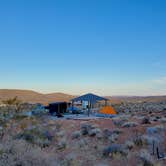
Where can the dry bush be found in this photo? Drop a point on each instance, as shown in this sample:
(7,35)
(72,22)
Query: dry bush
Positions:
(19,152)
(35,136)
(146,158)
(76,134)
(115,149)
(129,145)
(130,124)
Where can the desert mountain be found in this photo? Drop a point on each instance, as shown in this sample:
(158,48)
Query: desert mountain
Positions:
(33,97)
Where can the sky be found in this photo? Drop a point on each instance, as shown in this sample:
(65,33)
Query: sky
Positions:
(108,47)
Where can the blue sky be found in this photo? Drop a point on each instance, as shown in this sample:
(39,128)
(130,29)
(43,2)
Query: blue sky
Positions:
(110,47)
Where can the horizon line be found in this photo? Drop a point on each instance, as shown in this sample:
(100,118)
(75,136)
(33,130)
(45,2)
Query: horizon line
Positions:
(66,93)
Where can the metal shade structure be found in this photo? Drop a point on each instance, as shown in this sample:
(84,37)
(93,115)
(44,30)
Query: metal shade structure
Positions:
(90,98)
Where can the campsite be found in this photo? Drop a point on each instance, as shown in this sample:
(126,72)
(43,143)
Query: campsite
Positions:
(86,130)
(82,83)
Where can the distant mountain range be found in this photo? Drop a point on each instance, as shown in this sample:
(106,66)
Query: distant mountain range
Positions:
(35,97)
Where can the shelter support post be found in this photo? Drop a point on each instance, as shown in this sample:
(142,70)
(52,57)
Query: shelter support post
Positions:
(72,104)
(88,108)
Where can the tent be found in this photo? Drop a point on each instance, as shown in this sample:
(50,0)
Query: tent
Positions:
(108,110)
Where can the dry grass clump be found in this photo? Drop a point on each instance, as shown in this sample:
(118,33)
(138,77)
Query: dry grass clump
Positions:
(114,149)
(62,144)
(146,158)
(76,134)
(146,120)
(36,136)
(129,145)
(138,140)
(19,152)
(130,124)
(91,130)
(118,121)
(163,120)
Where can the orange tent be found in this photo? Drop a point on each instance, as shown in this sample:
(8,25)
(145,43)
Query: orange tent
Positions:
(107,110)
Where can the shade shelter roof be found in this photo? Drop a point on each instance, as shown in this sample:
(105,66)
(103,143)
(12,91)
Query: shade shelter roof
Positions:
(92,98)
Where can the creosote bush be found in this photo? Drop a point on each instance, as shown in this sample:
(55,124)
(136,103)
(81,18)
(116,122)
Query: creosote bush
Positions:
(35,136)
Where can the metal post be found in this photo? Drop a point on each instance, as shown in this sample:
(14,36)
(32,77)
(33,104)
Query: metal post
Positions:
(153,147)
(157,149)
(88,108)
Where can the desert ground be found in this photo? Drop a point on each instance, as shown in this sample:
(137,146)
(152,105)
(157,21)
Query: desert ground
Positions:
(136,136)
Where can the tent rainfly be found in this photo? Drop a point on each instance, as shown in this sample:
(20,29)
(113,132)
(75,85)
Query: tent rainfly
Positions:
(90,98)
(108,110)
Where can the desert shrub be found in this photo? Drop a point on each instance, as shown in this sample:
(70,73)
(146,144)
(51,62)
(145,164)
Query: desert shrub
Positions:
(15,102)
(146,158)
(19,117)
(69,160)
(58,126)
(130,124)
(118,121)
(117,131)
(62,144)
(99,136)
(155,129)
(148,140)
(146,120)
(107,133)
(138,141)
(163,120)
(94,132)
(85,128)
(60,134)
(113,138)
(76,134)
(129,145)
(35,136)
(3,121)
(114,149)
(1,132)
(82,142)
(21,153)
